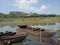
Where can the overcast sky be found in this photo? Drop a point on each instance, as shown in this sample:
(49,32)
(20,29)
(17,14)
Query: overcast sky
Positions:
(35,6)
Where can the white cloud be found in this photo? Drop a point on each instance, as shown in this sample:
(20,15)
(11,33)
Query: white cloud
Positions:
(28,5)
(43,8)
(25,4)
(32,1)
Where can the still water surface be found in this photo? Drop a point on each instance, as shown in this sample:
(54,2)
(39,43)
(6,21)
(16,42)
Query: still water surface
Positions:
(48,27)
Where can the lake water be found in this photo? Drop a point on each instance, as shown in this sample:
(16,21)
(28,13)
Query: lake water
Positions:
(7,28)
(13,29)
(29,41)
(48,27)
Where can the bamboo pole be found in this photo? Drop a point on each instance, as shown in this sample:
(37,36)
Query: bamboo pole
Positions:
(40,37)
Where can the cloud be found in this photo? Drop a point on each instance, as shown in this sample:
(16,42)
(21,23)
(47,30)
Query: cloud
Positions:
(29,5)
(25,4)
(32,1)
(43,8)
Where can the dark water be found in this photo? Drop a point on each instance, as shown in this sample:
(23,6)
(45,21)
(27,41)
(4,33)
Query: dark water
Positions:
(28,41)
(31,42)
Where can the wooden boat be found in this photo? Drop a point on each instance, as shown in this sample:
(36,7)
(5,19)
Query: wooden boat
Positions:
(7,33)
(22,26)
(45,35)
(35,31)
(12,38)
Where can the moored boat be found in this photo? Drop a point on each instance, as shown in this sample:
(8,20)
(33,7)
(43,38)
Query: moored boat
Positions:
(17,37)
(7,33)
(9,39)
(34,31)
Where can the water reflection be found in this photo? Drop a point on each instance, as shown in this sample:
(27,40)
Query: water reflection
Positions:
(48,27)
(28,41)
(31,42)
(7,28)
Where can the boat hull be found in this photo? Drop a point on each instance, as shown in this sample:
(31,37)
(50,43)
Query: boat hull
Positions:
(18,38)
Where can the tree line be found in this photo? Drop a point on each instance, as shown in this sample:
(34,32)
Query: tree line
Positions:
(17,14)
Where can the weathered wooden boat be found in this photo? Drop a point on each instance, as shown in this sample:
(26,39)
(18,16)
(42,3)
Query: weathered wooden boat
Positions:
(22,26)
(45,35)
(35,31)
(9,39)
(7,33)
